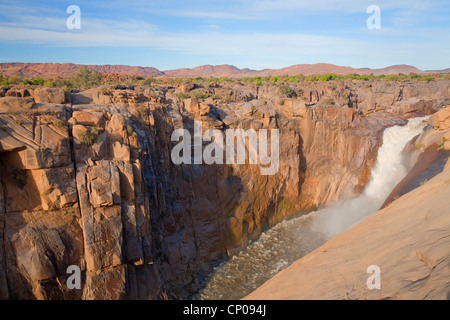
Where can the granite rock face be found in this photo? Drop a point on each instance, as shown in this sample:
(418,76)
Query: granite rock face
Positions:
(91,183)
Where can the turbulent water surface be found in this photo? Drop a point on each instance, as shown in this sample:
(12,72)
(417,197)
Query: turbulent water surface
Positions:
(290,240)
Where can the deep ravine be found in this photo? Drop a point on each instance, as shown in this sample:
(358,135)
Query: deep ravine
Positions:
(290,240)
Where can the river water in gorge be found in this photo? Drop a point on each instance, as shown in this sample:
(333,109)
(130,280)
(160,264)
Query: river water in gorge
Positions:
(290,240)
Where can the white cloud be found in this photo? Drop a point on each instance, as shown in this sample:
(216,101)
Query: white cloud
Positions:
(44,26)
(268,9)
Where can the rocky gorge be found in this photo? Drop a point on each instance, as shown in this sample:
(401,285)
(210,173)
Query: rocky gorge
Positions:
(86,178)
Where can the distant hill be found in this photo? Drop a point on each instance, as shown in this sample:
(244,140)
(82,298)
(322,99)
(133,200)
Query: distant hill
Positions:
(50,70)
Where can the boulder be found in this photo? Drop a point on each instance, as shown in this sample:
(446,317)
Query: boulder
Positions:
(121,152)
(117,123)
(441,119)
(191,105)
(186,87)
(49,95)
(18,92)
(89,118)
(101,95)
(15,105)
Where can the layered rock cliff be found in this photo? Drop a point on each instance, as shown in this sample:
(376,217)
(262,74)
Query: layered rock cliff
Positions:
(87,178)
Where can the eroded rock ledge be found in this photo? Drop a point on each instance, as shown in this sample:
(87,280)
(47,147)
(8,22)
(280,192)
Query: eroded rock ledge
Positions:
(87,179)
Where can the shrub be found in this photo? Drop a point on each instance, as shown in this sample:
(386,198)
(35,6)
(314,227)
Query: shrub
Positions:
(326,77)
(216,96)
(419,146)
(392,77)
(182,95)
(427,78)
(86,78)
(57,123)
(65,84)
(257,81)
(88,137)
(142,109)
(48,83)
(14,80)
(286,90)
(149,81)
(37,81)
(18,175)
(328,101)
(196,94)
(274,79)
(197,79)
(441,144)
(130,130)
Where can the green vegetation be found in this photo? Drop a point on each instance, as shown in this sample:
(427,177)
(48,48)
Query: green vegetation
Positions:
(37,82)
(441,144)
(182,95)
(230,170)
(142,109)
(419,146)
(197,94)
(148,81)
(88,137)
(423,182)
(286,90)
(257,81)
(216,96)
(18,175)
(18,121)
(86,78)
(57,123)
(328,101)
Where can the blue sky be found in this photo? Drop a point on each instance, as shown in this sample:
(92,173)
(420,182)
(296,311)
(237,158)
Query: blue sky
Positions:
(258,34)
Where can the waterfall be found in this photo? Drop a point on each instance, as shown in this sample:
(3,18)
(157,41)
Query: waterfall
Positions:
(390,168)
(290,240)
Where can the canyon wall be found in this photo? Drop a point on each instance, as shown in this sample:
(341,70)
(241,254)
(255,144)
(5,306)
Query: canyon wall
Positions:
(407,241)
(87,178)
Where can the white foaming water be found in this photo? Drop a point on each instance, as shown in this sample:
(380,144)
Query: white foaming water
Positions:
(389,170)
(290,240)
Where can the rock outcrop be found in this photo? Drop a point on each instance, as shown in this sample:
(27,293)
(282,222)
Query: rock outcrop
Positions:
(91,183)
(408,241)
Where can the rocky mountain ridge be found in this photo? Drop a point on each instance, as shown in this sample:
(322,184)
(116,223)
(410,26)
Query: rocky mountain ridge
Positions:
(52,70)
